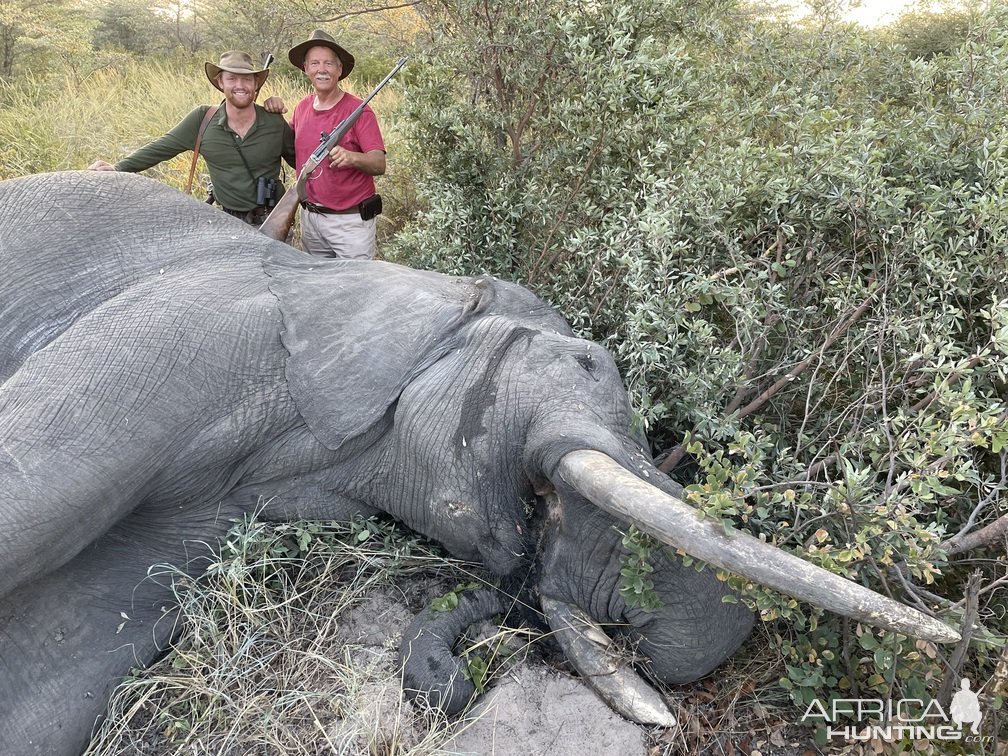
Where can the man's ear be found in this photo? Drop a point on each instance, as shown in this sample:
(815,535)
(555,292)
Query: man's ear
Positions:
(357,334)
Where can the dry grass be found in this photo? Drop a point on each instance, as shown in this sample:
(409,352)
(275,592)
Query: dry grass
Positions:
(287,646)
(53,122)
(279,654)
(50,124)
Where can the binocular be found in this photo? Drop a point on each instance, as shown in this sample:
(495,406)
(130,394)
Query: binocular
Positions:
(266,192)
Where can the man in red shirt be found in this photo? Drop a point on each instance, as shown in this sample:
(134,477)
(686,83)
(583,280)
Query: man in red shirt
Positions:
(337,218)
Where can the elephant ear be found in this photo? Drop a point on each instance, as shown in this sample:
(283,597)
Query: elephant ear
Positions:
(358,332)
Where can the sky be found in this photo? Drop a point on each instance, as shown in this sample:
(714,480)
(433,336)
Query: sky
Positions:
(878,12)
(875,12)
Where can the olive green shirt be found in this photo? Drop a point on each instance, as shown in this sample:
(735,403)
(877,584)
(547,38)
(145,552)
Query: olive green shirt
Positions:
(234,185)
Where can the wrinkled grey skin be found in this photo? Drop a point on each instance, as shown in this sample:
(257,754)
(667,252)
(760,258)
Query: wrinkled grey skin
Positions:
(163,367)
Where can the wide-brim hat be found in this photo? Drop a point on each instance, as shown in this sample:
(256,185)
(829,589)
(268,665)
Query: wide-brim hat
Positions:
(237,62)
(319,38)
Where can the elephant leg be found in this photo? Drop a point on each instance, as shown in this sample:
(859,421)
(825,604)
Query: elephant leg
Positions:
(67,638)
(69,469)
(41,528)
(130,404)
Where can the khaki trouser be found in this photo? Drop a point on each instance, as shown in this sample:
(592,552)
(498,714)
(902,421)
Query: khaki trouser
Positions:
(345,236)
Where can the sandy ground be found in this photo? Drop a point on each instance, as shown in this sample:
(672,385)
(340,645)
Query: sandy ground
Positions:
(539,710)
(531,709)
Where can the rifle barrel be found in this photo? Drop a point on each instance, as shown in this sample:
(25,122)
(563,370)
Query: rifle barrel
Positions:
(347,123)
(279,221)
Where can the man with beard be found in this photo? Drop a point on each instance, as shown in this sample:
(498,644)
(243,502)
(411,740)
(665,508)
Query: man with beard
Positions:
(338,215)
(242,143)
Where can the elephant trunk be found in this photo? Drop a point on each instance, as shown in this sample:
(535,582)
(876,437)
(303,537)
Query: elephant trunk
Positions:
(614,489)
(430,669)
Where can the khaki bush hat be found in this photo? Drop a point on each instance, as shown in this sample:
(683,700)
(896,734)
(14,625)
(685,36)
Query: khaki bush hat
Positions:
(320,39)
(238,62)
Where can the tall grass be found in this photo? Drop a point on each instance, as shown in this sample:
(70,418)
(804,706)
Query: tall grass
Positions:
(50,123)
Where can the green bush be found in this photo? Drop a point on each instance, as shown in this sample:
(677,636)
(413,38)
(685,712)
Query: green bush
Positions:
(793,243)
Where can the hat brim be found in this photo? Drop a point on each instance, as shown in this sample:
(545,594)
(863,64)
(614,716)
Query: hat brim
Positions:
(213,71)
(296,55)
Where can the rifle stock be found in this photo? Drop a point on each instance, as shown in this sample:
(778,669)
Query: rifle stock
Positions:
(281,218)
(278,223)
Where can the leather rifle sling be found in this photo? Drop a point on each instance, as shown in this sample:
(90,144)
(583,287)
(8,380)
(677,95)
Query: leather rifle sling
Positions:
(211,112)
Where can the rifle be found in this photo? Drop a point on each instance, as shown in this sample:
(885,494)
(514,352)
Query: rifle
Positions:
(279,221)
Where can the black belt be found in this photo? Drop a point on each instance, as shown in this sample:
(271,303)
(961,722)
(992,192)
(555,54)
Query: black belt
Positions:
(311,207)
(255,216)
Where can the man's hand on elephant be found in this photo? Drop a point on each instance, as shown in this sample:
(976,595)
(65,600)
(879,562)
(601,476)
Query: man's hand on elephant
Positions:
(275,104)
(101,165)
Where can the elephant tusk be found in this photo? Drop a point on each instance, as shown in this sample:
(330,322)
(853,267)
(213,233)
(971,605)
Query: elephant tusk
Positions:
(584,643)
(611,487)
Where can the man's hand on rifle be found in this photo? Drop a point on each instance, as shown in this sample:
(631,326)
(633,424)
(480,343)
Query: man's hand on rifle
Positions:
(340,157)
(371,162)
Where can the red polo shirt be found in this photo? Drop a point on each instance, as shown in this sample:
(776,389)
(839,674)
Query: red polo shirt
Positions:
(344,187)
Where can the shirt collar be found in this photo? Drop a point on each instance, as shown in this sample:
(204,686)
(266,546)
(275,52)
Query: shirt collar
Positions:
(221,117)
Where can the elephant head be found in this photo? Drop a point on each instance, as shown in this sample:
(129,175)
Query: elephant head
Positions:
(512,445)
(536,426)
(164,368)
